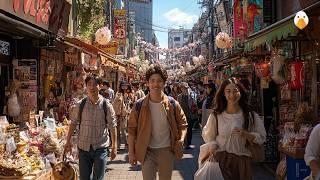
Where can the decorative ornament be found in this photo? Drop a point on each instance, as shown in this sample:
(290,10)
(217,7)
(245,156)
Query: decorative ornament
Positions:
(103,36)
(301,20)
(223,40)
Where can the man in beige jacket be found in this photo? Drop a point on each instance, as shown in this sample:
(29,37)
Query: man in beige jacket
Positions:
(157,127)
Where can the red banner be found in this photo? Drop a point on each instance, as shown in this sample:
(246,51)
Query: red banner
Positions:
(120,26)
(239,22)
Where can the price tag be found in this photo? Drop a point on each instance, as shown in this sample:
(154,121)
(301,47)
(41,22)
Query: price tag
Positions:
(11,145)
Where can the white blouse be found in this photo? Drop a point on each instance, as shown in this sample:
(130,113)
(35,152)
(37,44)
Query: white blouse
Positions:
(226,140)
(313,146)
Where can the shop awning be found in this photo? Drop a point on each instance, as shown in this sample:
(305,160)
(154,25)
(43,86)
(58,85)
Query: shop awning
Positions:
(277,31)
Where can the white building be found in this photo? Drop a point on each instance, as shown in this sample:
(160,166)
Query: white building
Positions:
(178,37)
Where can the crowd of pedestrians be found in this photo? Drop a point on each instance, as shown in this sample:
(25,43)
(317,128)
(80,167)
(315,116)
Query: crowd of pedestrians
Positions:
(155,121)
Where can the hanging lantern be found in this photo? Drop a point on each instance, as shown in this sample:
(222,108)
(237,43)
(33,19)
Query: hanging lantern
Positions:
(262,70)
(103,36)
(296,75)
(223,40)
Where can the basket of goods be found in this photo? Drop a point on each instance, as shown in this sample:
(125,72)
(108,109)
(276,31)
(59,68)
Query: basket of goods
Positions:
(303,115)
(13,168)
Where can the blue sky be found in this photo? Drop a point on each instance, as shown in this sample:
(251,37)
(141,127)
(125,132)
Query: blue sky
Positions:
(172,14)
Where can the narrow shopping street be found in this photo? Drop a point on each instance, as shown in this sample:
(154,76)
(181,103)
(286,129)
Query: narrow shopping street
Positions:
(185,169)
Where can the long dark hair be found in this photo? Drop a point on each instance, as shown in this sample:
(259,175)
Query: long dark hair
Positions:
(221,102)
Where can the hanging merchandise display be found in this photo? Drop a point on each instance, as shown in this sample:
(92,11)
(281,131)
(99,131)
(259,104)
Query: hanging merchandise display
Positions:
(296,75)
(278,68)
(262,69)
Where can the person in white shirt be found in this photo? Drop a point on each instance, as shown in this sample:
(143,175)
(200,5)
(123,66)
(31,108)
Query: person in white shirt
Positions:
(312,153)
(230,127)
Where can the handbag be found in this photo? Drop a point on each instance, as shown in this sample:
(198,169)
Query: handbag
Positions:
(257,150)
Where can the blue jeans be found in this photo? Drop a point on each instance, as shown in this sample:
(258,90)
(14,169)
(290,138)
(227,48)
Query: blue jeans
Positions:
(94,158)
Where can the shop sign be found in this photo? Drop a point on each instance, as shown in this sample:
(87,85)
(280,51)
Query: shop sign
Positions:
(50,15)
(222,17)
(120,26)
(71,58)
(4,48)
(106,61)
(110,48)
(89,62)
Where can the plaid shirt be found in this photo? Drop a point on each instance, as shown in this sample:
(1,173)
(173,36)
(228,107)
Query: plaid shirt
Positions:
(93,128)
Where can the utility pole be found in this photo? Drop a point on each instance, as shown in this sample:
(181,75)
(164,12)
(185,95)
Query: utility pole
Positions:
(212,10)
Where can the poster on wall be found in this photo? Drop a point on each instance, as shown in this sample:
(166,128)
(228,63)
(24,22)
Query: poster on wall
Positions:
(25,71)
(253,12)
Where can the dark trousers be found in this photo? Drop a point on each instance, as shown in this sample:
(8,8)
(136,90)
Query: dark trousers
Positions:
(188,139)
(94,159)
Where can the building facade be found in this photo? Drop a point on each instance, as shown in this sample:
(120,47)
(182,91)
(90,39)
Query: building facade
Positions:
(178,37)
(142,10)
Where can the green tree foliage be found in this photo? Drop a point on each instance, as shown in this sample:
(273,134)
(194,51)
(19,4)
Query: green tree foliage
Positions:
(90,17)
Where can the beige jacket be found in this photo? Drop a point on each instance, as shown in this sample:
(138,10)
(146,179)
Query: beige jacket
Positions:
(139,126)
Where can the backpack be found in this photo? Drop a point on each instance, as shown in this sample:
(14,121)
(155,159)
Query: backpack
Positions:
(139,104)
(83,102)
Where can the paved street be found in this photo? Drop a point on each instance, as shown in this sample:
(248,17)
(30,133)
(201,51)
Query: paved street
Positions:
(184,169)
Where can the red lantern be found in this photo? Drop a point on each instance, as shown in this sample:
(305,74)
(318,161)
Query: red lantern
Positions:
(296,75)
(262,70)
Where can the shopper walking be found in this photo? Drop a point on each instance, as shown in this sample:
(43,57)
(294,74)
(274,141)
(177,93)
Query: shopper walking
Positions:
(95,115)
(121,107)
(157,127)
(106,91)
(230,130)
(208,103)
(188,101)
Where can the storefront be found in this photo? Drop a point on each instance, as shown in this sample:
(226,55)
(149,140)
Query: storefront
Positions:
(285,61)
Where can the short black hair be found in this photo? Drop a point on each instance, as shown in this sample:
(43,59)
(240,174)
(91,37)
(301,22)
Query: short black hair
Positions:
(106,83)
(156,69)
(92,77)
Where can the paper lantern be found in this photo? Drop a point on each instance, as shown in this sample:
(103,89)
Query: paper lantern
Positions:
(262,70)
(195,60)
(103,36)
(223,40)
(296,75)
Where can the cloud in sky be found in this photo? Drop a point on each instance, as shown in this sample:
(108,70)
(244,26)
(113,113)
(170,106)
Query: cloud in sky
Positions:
(179,17)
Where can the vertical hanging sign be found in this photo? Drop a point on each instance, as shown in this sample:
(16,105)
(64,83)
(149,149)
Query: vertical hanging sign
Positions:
(120,26)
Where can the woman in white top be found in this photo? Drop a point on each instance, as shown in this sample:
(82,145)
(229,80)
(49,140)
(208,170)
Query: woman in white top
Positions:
(233,128)
(312,155)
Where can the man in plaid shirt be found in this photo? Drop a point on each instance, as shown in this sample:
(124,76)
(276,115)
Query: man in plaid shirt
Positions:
(93,140)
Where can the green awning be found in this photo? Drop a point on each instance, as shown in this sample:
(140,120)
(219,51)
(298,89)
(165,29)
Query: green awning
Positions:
(277,31)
